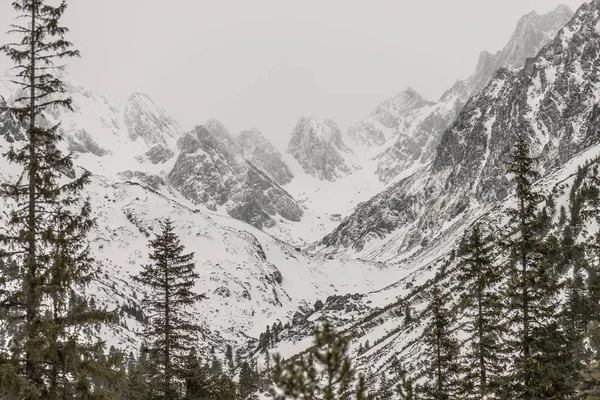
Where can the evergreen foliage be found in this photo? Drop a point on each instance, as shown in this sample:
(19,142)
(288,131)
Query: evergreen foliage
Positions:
(45,237)
(332,377)
(440,356)
(170,333)
(542,366)
(479,278)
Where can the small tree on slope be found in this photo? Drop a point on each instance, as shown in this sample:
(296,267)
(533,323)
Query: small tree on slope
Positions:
(440,358)
(170,333)
(542,366)
(479,277)
(296,379)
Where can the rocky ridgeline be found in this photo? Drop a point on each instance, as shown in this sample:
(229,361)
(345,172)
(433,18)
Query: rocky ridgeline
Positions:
(261,153)
(319,148)
(211,170)
(552,99)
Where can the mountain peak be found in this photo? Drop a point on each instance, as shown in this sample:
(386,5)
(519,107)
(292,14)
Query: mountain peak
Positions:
(151,123)
(411,92)
(318,146)
(216,127)
(260,152)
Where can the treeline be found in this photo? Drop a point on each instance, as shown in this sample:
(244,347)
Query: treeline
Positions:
(48,326)
(529,304)
(529,301)
(520,321)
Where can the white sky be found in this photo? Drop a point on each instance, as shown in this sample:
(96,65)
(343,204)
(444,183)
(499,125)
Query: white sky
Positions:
(265,63)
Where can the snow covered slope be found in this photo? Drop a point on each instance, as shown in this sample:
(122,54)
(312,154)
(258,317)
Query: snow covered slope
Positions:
(402,133)
(553,99)
(251,278)
(376,322)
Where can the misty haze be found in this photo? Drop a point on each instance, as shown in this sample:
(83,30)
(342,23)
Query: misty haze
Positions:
(317,200)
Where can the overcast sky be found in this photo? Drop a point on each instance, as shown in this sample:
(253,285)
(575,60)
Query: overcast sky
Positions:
(265,63)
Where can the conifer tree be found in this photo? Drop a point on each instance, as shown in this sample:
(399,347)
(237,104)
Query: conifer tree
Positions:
(385,388)
(135,385)
(440,357)
(171,333)
(479,277)
(406,389)
(48,220)
(294,380)
(542,364)
(249,380)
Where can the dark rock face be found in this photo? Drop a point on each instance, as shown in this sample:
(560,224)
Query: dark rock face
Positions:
(320,150)
(154,182)
(552,99)
(151,124)
(82,142)
(9,126)
(260,152)
(417,125)
(211,170)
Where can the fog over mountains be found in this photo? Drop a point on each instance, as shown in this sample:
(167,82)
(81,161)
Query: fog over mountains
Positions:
(352,221)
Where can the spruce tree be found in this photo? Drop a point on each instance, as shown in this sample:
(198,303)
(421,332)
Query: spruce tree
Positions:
(479,277)
(440,358)
(295,379)
(249,380)
(542,366)
(48,218)
(171,333)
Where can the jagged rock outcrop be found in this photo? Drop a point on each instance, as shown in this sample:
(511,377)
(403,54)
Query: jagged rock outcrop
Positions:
(319,148)
(211,170)
(552,99)
(261,153)
(145,121)
(9,126)
(417,126)
(394,116)
(532,33)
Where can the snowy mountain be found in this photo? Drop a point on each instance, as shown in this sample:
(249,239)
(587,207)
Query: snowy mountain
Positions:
(417,130)
(402,134)
(244,209)
(417,223)
(251,278)
(377,324)
(210,169)
(260,152)
(553,99)
(153,125)
(319,148)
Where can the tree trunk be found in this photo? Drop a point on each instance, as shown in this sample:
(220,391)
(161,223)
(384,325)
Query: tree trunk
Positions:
(482,369)
(525,306)
(30,285)
(167,334)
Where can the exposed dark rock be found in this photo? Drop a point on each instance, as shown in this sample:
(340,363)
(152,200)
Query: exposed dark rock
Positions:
(319,148)
(211,170)
(261,153)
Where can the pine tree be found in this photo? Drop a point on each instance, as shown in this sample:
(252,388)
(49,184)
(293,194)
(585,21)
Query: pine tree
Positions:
(135,387)
(385,388)
(542,366)
(441,354)
(479,278)
(197,378)
(249,380)
(48,220)
(170,332)
(294,380)
(229,356)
